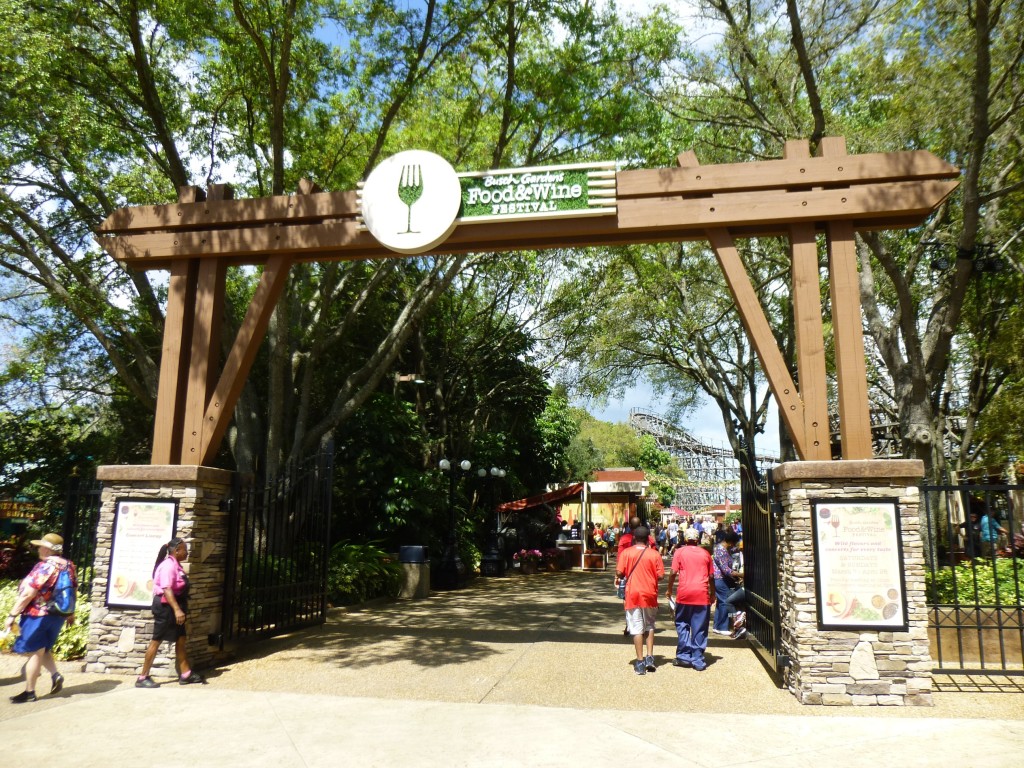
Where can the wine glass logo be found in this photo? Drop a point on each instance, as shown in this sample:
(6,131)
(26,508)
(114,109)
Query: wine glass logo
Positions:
(410,189)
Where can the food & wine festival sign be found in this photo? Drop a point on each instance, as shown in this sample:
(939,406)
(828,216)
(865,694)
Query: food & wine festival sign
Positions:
(413,201)
(858,558)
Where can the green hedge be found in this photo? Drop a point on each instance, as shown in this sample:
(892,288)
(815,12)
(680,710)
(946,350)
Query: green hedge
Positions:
(359,572)
(976,583)
(71,642)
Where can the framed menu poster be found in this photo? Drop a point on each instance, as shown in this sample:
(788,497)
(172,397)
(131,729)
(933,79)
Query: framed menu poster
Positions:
(858,560)
(141,527)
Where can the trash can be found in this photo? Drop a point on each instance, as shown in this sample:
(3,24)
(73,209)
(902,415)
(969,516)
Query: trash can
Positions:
(415,572)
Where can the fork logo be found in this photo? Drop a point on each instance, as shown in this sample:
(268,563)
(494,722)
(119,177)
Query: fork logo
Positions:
(410,202)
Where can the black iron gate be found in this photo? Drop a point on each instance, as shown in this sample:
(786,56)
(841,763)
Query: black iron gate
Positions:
(760,563)
(81,515)
(975,577)
(278,551)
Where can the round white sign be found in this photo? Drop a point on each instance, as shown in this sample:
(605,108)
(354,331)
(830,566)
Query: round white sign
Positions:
(411,201)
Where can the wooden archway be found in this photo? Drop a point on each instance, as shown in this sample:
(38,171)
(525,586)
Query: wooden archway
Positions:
(798,197)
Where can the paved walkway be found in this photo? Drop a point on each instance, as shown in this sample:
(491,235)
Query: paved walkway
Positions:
(509,672)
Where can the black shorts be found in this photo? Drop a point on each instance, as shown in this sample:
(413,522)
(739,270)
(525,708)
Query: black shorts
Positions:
(166,626)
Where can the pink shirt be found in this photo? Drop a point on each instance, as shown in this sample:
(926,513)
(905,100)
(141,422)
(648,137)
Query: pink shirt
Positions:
(168,574)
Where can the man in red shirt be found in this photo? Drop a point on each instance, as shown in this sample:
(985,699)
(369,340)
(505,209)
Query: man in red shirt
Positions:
(642,567)
(626,539)
(694,597)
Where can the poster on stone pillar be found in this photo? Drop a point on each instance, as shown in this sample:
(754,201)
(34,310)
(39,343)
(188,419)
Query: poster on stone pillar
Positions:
(141,527)
(858,559)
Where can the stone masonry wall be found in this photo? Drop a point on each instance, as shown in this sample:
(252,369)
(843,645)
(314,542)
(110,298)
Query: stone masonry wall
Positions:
(851,668)
(117,636)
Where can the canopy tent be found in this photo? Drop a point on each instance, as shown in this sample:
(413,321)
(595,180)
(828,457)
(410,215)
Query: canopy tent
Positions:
(540,500)
(610,486)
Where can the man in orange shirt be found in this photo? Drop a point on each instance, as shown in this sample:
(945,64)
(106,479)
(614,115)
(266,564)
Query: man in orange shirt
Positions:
(642,567)
(693,565)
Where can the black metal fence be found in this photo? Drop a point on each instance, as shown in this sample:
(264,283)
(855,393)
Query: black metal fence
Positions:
(278,551)
(974,550)
(81,516)
(760,564)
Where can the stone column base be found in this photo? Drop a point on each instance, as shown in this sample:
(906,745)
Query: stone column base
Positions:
(851,668)
(118,636)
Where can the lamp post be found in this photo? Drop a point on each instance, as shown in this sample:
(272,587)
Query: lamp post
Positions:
(451,571)
(493,561)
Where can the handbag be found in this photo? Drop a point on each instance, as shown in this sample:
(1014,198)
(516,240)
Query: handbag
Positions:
(620,591)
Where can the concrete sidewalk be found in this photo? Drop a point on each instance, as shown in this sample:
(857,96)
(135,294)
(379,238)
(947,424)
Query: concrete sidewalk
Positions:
(517,671)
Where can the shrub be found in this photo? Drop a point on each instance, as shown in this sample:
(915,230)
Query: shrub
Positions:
(359,572)
(16,561)
(71,641)
(981,576)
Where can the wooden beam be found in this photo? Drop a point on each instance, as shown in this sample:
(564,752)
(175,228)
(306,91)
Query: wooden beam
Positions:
(688,159)
(775,206)
(639,220)
(281,208)
(791,409)
(851,170)
(243,352)
(174,363)
(851,366)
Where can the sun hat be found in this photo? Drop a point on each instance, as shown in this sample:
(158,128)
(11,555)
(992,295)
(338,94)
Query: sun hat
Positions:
(51,541)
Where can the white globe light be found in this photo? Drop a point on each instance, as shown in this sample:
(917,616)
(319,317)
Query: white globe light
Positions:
(465,465)
(444,464)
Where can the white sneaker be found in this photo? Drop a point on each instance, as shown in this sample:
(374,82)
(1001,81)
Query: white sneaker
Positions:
(722,632)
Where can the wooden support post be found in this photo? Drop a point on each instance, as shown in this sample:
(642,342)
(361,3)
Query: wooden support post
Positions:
(810,341)
(791,409)
(205,355)
(851,366)
(174,362)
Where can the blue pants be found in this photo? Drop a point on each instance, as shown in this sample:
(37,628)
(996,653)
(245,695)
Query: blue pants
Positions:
(722,591)
(692,630)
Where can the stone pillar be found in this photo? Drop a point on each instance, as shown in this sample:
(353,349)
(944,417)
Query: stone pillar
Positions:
(118,636)
(847,668)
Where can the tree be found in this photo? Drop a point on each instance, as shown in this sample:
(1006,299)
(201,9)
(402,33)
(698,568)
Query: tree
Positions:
(664,313)
(114,104)
(889,77)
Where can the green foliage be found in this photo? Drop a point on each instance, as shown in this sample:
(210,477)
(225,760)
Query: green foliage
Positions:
(71,641)
(557,427)
(978,583)
(359,572)
(652,458)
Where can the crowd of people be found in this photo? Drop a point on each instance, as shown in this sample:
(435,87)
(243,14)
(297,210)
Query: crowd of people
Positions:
(705,569)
